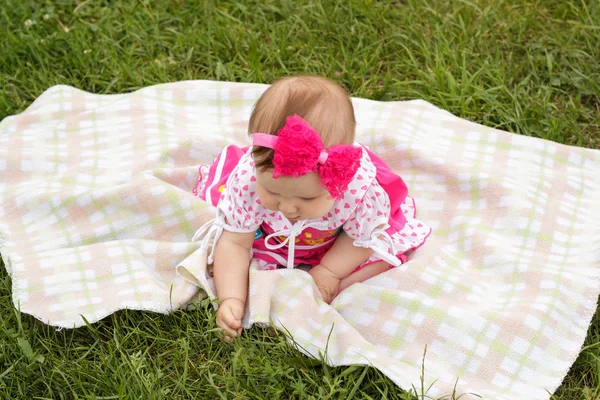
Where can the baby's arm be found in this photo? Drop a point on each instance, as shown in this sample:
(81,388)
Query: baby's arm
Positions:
(232,263)
(337,264)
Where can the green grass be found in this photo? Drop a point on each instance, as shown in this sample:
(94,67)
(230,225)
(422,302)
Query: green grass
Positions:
(529,67)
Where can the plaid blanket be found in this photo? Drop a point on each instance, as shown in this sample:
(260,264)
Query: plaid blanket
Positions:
(97,215)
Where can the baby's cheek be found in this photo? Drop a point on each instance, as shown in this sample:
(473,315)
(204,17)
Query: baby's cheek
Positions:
(269,204)
(322,208)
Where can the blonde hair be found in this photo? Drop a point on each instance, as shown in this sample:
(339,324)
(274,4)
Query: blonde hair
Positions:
(321,102)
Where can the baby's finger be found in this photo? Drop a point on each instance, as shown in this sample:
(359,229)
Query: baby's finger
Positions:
(238,313)
(228,329)
(325,295)
(226,339)
(232,320)
(228,332)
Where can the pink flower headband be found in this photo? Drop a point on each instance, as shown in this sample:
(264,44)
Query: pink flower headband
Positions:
(299,150)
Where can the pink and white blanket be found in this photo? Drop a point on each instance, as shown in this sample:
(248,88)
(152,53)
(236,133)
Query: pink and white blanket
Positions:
(97,215)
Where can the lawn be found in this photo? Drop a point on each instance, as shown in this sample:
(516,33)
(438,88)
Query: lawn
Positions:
(529,67)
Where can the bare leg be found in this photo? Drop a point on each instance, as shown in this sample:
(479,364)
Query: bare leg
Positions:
(363,274)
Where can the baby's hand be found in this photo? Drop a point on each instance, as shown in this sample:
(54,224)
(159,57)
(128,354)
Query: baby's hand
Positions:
(229,318)
(326,281)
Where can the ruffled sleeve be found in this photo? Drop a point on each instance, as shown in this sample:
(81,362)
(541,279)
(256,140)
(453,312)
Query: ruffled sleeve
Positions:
(368,223)
(238,209)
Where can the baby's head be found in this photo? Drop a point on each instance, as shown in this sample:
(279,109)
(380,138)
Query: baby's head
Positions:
(327,107)
(321,102)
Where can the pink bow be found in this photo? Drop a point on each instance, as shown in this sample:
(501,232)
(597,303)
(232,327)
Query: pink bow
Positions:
(299,150)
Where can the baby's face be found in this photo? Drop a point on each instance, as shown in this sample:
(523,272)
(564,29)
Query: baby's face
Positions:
(297,198)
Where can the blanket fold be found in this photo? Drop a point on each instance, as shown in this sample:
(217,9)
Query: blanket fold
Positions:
(97,215)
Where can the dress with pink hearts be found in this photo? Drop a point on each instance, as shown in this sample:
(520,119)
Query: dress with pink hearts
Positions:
(375,211)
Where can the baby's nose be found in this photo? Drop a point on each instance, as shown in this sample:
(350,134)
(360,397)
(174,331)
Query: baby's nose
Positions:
(287,208)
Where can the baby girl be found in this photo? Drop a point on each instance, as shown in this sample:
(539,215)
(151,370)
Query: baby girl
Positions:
(304,194)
